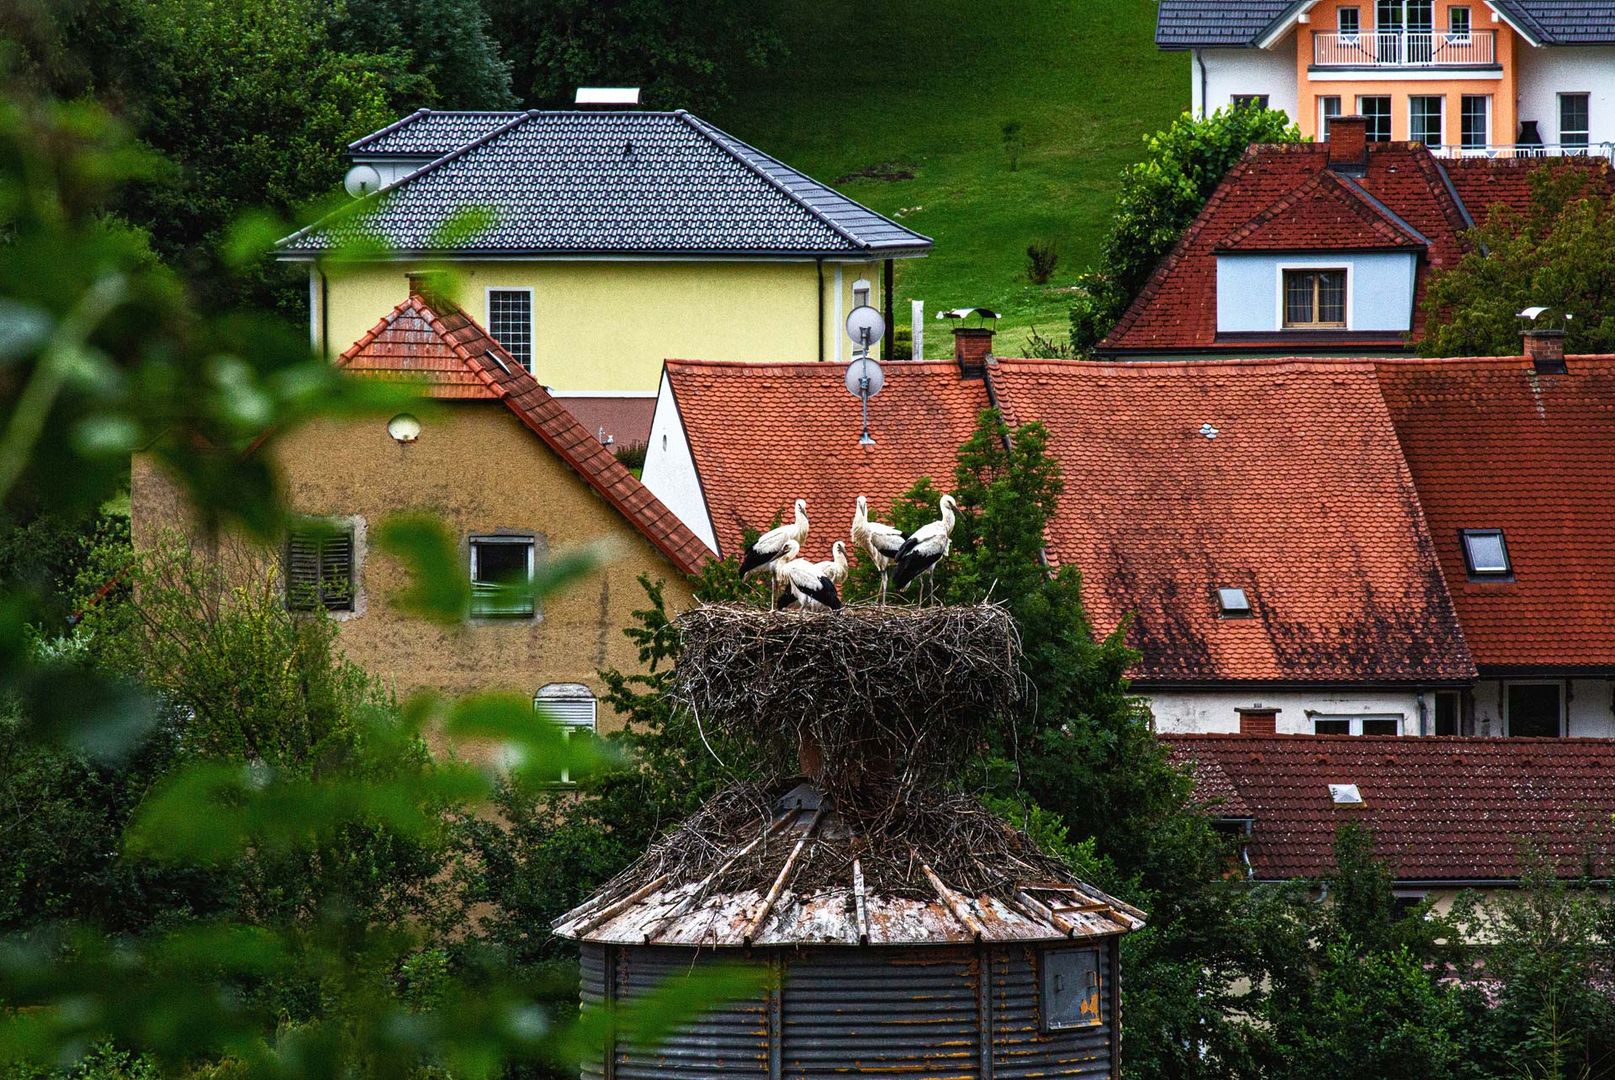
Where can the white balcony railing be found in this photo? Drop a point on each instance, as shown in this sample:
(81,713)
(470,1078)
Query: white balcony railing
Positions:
(1404,48)
(1515,150)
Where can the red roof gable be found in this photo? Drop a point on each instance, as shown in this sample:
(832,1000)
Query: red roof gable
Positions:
(1440,809)
(1492,444)
(437,342)
(1283,478)
(1286,197)
(764,435)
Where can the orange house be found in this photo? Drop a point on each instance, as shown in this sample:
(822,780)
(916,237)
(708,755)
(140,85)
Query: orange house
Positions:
(1464,77)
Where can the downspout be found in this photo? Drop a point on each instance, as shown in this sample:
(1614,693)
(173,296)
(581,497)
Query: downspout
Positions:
(1200,59)
(325,314)
(820,264)
(1423,730)
(891,326)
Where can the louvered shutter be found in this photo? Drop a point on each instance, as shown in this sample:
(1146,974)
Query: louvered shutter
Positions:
(302,571)
(336,572)
(319,570)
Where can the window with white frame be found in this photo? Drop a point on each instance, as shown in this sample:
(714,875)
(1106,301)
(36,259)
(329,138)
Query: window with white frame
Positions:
(1349,21)
(573,708)
(1534,709)
(1574,125)
(1458,25)
(1424,118)
(1475,121)
(1353,724)
(1314,299)
(1328,109)
(1375,109)
(502,577)
(510,321)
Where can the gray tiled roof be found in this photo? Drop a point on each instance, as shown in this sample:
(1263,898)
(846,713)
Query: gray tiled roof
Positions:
(1187,24)
(612,183)
(430,133)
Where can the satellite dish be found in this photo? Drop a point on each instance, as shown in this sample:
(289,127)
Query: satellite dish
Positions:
(864,378)
(865,326)
(404,428)
(361,180)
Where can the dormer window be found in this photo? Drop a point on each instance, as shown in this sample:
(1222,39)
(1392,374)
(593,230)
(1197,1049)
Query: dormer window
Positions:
(1486,555)
(1315,299)
(1232,603)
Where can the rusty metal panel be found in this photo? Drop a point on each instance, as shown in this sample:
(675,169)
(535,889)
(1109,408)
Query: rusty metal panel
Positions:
(592,992)
(876,1012)
(730,1040)
(1021,1048)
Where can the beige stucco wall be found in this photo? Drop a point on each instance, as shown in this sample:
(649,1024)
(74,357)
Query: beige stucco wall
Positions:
(608,325)
(478,470)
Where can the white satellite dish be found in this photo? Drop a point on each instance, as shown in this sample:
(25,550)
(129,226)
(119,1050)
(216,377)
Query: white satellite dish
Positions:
(404,428)
(361,181)
(865,326)
(864,380)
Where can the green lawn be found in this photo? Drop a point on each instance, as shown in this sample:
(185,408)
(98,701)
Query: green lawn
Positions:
(925,88)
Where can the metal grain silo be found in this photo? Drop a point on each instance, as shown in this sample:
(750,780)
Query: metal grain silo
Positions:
(907,931)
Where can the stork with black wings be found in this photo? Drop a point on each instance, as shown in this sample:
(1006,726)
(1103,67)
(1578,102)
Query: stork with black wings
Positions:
(925,547)
(768,550)
(804,583)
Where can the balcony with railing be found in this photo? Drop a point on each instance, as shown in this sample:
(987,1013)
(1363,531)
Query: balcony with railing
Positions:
(1404,49)
(1527,150)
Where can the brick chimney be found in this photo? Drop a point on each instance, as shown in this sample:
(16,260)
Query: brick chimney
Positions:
(972,348)
(1348,141)
(1546,351)
(425,284)
(1258,721)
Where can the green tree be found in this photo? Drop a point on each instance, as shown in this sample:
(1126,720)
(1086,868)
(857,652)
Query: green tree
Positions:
(448,43)
(1555,253)
(1159,198)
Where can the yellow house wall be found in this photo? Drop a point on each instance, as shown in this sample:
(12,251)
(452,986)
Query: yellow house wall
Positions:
(478,471)
(1503,92)
(606,326)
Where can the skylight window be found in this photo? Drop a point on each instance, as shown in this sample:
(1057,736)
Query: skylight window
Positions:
(1232,603)
(1345,795)
(1486,553)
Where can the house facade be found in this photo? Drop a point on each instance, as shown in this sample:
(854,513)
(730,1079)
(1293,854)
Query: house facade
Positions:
(595,244)
(1285,540)
(1464,77)
(512,476)
(1323,248)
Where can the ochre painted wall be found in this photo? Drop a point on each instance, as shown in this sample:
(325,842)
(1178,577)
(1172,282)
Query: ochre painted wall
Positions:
(1324,18)
(478,470)
(607,326)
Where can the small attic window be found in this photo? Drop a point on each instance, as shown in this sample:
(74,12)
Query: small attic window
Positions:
(1345,795)
(1232,603)
(1486,554)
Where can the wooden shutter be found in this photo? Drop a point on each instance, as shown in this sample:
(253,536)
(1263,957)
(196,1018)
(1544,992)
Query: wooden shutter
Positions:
(336,571)
(319,570)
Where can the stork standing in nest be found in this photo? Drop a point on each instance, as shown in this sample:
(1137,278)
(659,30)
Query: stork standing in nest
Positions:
(768,550)
(835,567)
(928,546)
(798,581)
(881,540)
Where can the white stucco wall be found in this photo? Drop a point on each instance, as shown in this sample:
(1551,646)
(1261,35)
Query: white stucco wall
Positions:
(1379,289)
(670,468)
(1545,73)
(1183,712)
(1245,71)
(1589,708)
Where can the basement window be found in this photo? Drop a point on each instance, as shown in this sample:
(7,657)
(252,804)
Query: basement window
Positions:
(1072,986)
(319,567)
(502,577)
(1232,603)
(1486,555)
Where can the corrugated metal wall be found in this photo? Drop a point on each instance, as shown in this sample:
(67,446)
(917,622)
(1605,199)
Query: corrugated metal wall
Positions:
(921,1011)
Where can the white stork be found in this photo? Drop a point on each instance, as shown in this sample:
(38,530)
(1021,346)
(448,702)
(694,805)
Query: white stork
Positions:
(799,581)
(769,549)
(881,540)
(835,567)
(928,545)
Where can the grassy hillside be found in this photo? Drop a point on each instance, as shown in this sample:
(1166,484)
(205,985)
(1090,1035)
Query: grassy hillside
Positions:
(901,104)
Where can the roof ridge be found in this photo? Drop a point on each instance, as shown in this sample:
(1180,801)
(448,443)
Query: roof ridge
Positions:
(1378,206)
(710,133)
(401,122)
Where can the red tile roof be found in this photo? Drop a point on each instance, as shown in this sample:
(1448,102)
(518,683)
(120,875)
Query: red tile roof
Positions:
(1491,444)
(764,435)
(1440,809)
(1300,497)
(439,343)
(1287,198)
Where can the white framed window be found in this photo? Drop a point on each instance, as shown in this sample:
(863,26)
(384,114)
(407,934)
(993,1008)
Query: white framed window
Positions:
(1574,119)
(1375,109)
(574,709)
(1458,25)
(1356,724)
(1424,118)
(1349,20)
(502,577)
(1534,708)
(1475,121)
(510,321)
(1312,297)
(1328,109)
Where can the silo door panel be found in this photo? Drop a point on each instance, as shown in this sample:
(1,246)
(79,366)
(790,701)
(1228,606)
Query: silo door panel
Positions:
(1071,989)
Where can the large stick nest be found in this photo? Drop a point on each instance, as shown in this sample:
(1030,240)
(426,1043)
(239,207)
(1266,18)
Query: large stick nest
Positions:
(879,698)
